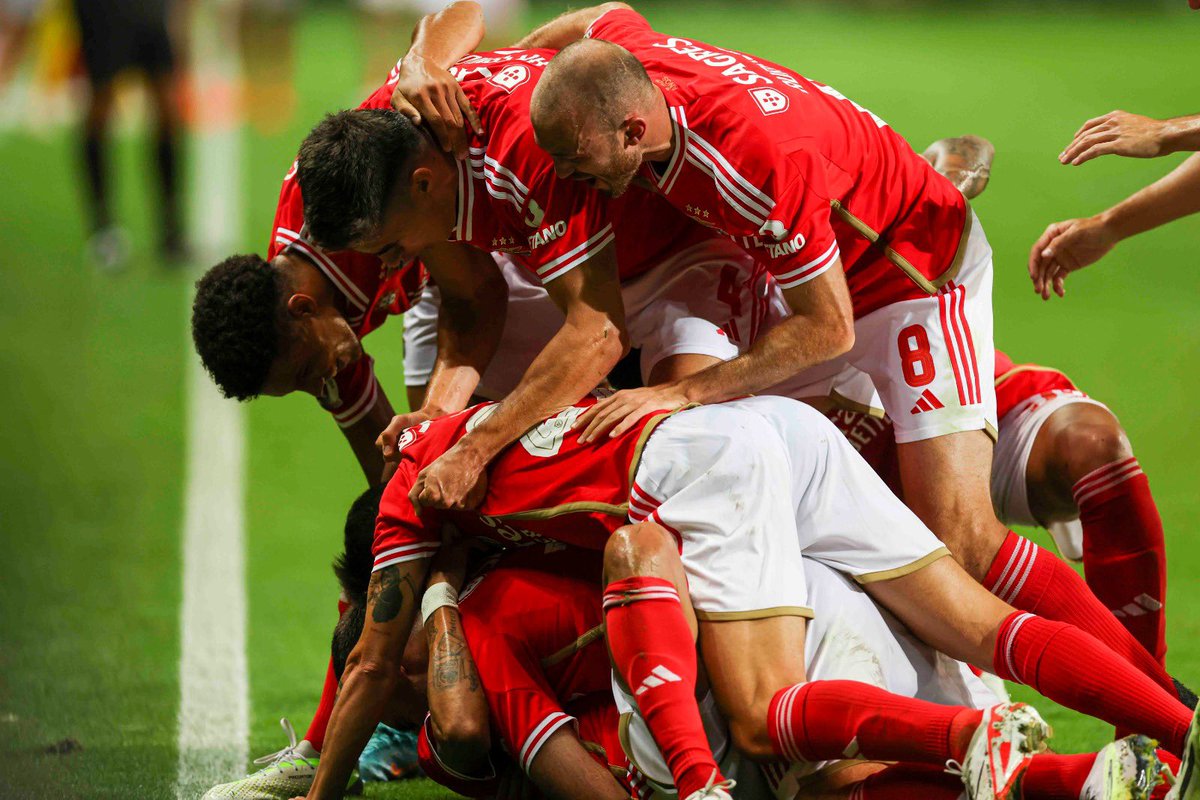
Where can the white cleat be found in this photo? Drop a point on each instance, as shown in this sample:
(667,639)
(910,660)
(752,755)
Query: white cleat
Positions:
(287,774)
(713,791)
(1000,750)
(1127,769)
(1187,784)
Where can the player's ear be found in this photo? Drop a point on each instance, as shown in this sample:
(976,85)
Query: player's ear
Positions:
(421,182)
(301,305)
(633,130)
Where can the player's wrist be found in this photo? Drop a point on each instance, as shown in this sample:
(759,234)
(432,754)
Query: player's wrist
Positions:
(1180,134)
(1113,225)
(438,595)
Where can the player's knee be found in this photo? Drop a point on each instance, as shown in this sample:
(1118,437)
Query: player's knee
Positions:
(640,549)
(750,736)
(1088,444)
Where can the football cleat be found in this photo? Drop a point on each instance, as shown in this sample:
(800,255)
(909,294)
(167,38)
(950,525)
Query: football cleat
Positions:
(999,752)
(390,755)
(1187,783)
(286,774)
(1127,769)
(714,791)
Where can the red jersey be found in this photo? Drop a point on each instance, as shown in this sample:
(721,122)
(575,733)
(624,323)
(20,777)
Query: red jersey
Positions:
(544,487)
(370,292)
(1019,383)
(795,172)
(535,628)
(510,199)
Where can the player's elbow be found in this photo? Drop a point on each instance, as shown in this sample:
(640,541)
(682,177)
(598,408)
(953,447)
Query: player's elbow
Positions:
(840,328)
(610,342)
(461,736)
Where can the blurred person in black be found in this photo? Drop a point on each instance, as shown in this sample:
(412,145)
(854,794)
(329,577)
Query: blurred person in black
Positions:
(116,35)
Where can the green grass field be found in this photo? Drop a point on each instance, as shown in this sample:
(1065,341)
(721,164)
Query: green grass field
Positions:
(93,434)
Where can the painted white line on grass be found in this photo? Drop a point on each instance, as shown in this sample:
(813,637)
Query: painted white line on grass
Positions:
(214,703)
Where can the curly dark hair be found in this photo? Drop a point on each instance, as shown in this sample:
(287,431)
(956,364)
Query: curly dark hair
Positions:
(353,567)
(235,323)
(347,169)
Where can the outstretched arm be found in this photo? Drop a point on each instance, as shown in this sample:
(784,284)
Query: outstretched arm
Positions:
(1123,134)
(566,28)
(1073,244)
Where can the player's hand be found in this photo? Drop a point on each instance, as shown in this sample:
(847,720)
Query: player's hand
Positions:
(1117,133)
(456,481)
(621,411)
(388,442)
(427,93)
(1064,248)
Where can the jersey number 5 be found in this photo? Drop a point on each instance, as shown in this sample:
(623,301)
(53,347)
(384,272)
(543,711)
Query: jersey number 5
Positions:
(915,358)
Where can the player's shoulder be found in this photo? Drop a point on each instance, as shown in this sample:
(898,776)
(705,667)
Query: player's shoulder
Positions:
(617,18)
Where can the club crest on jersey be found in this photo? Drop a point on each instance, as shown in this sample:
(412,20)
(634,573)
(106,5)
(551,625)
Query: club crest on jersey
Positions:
(769,101)
(510,77)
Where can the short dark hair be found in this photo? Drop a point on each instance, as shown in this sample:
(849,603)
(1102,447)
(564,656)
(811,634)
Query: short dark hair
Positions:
(348,168)
(353,566)
(345,635)
(235,323)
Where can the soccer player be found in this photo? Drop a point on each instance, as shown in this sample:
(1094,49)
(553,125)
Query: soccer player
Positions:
(1062,462)
(744,488)
(879,257)
(1075,243)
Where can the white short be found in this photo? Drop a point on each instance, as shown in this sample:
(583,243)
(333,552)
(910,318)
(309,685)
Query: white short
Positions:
(708,300)
(531,322)
(932,359)
(1010,462)
(750,485)
(850,638)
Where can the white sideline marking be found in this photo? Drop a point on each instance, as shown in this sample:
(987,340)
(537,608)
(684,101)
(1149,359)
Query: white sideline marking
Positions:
(214,704)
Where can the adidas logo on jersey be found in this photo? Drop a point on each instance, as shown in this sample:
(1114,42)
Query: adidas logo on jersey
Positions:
(927,402)
(657,677)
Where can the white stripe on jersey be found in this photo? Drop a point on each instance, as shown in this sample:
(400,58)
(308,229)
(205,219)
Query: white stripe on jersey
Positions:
(576,255)
(810,270)
(507,175)
(360,408)
(755,199)
(352,292)
(723,187)
(539,736)
(408,552)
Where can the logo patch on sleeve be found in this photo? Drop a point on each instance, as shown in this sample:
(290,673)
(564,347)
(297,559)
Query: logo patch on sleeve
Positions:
(770,101)
(510,77)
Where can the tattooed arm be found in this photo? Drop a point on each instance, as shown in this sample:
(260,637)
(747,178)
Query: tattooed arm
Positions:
(965,160)
(457,705)
(372,674)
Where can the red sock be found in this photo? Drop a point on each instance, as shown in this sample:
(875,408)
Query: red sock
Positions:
(906,781)
(831,720)
(1032,579)
(1124,554)
(1074,669)
(1056,777)
(315,735)
(654,653)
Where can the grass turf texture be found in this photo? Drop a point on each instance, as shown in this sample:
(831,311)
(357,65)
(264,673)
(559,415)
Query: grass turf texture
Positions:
(93,446)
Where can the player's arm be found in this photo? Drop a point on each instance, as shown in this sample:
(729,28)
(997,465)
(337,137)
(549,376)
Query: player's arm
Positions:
(425,91)
(470,323)
(583,351)
(563,770)
(457,704)
(363,434)
(1073,244)
(966,161)
(1132,135)
(821,328)
(566,28)
(373,673)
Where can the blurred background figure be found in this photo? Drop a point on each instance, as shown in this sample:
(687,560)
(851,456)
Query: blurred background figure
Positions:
(116,35)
